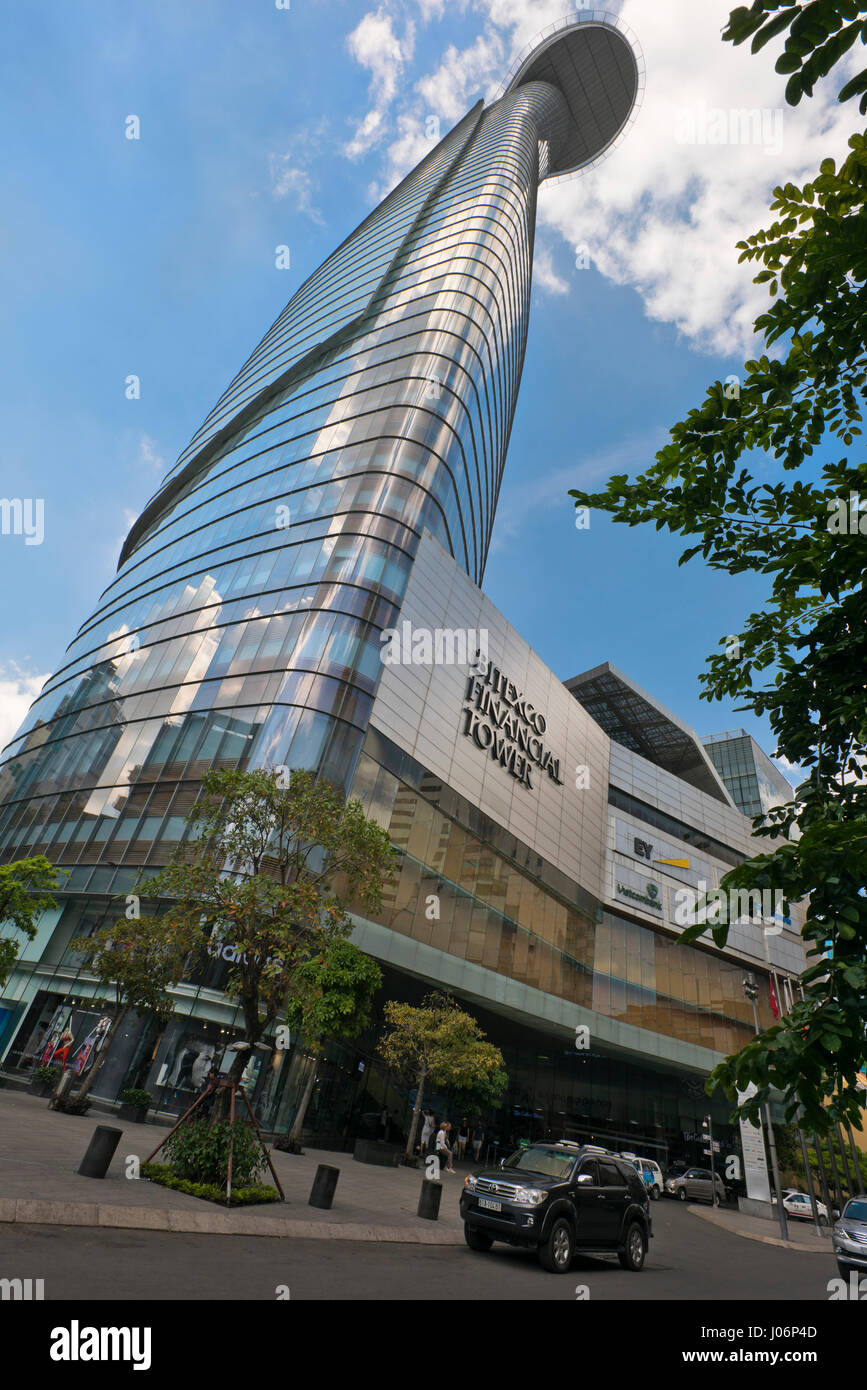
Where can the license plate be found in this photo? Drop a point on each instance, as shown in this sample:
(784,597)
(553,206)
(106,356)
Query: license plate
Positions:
(489,1204)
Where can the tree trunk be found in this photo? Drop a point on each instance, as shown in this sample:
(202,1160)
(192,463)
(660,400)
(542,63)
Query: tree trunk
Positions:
(298,1122)
(103,1053)
(410,1143)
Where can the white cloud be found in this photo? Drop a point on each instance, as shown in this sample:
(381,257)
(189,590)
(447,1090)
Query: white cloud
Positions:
(295,183)
(18,690)
(375,45)
(545,276)
(792,772)
(147,453)
(462,77)
(662,214)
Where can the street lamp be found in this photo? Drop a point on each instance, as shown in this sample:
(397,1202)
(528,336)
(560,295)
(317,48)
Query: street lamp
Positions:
(707,1124)
(751,990)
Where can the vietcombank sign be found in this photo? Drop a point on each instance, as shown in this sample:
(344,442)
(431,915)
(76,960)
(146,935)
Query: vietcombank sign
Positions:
(648,897)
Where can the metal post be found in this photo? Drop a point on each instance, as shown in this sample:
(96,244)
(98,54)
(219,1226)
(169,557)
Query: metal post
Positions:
(708,1123)
(823,1176)
(809,1179)
(845,1160)
(751,992)
(856,1158)
(832,1159)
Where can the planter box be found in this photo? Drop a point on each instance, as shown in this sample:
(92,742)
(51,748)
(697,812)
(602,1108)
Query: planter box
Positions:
(375,1151)
(135,1114)
(39,1088)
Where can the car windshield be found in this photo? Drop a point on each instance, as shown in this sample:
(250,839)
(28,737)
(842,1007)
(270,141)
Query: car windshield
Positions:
(856,1211)
(544,1161)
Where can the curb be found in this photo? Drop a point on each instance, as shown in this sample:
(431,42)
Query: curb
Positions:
(763,1240)
(27,1212)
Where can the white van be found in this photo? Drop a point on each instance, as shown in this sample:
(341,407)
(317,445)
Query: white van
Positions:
(650,1173)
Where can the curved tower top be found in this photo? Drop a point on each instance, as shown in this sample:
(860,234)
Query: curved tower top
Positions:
(595,63)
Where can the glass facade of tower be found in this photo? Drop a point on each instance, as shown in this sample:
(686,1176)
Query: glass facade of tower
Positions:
(243,627)
(753,781)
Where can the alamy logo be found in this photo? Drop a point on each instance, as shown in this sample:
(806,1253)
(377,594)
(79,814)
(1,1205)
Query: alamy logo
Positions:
(23,517)
(712,125)
(424,646)
(77,1343)
(716,908)
(22,1290)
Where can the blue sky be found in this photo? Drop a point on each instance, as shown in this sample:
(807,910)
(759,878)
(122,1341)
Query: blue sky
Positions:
(262,126)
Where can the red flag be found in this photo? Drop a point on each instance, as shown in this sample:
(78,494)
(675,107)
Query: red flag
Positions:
(775,1008)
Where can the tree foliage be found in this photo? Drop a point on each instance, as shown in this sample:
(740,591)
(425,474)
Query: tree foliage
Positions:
(820,33)
(332,994)
(25,886)
(438,1043)
(331,997)
(267,879)
(801,661)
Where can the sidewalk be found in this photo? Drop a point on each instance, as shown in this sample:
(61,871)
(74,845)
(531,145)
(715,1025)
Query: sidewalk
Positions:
(802,1235)
(40,1151)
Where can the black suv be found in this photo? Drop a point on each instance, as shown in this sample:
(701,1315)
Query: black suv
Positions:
(560,1199)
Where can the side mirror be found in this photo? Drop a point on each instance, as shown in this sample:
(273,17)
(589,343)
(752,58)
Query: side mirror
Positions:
(502,1163)
(584,1178)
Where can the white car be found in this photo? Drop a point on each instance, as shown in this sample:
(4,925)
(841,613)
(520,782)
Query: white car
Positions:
(650,1173)
(797,1204)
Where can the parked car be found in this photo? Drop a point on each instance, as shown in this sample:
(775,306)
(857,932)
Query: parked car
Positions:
(696,1185)
(560,1199)
(849,1237)
(797,1204)
(674,1170)
(650,1173)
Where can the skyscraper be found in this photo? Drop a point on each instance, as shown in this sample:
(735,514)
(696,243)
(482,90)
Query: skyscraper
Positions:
(243,626)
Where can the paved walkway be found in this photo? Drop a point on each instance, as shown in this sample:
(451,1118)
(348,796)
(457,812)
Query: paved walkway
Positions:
(802,1235)
(40,1151)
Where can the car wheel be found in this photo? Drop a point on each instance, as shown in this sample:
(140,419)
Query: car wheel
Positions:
(681,1194)
(633,1253)
(655,1193)
(717,1200)
(555,1253)
(477,1240)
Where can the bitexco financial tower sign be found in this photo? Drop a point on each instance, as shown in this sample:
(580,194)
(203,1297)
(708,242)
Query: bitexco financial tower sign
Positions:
(502,722)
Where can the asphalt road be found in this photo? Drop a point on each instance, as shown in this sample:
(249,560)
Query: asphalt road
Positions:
(689,1260)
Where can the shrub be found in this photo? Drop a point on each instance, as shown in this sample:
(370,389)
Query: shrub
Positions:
(47,1076)
(241,1196)
(199,1152)
(134,1096)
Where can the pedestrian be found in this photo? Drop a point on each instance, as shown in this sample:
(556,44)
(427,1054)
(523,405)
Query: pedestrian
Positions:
(444,1153)
(463,1136)
(427,1130)
(478,1139)
(383,1124)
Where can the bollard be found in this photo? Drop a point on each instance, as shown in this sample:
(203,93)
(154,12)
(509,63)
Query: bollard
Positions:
(429,1199)
(322,1191)
(100,1151)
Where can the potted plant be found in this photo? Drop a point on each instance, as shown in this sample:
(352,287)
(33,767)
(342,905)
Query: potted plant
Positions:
(134,1105)
(44,1080)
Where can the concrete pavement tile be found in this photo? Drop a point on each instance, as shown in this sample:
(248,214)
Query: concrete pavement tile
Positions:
(57,1213)
(134,1218)
(199,1222)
